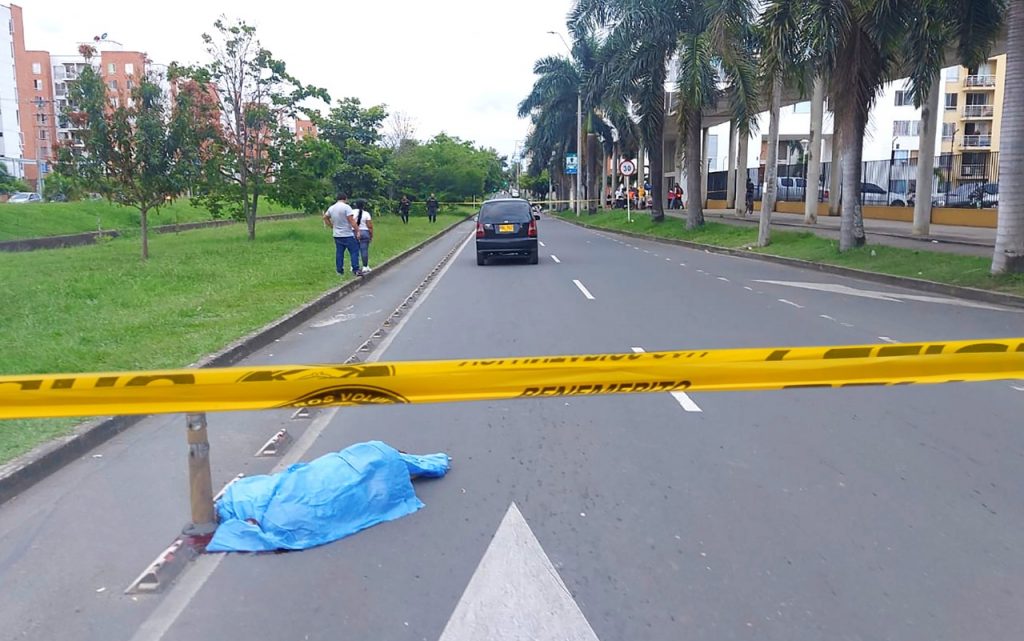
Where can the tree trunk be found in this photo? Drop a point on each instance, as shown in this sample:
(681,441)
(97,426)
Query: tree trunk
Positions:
(705,141)
(616,153)
(835,178)
(743,149)
(694,212)
(604,176)
(1009,253)
(813,159)
(730,165)
(593,199)
(250,216)
(926,158)
(764,229)
(145,232)
(657,168)
(851,226)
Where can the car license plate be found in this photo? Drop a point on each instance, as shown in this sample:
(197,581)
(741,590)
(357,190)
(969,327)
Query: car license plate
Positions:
(506,229)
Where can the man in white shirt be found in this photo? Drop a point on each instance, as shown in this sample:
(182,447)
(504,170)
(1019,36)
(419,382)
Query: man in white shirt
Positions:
(365,224)
(346,234)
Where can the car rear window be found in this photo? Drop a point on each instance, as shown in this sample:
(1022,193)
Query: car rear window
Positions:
(511,212)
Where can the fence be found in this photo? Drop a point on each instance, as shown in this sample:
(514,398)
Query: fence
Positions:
(960,180)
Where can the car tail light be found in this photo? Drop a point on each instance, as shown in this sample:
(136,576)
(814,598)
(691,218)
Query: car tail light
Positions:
(531,231)
(479,230)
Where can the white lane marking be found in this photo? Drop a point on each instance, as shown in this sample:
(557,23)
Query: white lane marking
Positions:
(342,318)
(193,579)
(826,317)
(723,279)
(892,297)
(1019,389)
(749,289)
(681,397)
(669,259)
(682,264)
(789,302)
(586,292)
(541,243)
(555,258)
(847,325)
(647,251)
(887,339)
(516,593)
(701,271)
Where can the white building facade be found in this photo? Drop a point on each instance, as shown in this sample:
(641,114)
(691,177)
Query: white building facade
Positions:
(10,128)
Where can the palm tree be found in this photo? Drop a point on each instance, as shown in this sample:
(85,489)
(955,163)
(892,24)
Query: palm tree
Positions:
(1009,252)
(641,36)
(869,42)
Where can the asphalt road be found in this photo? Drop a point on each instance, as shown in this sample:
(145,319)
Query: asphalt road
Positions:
(873,513)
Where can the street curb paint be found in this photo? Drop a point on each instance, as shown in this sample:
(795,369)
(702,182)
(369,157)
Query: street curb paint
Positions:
(970,293)
(28,469)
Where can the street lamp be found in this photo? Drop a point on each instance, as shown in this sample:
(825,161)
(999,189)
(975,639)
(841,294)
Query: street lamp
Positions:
(579,129)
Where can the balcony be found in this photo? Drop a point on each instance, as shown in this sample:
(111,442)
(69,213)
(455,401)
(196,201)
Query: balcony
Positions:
(980,81)
(979,111)
(973,171)
(978,140)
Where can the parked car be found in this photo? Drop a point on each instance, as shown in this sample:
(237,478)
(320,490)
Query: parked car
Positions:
(970,195)
(872,194)
(506,227)
(24,197)
(788,188)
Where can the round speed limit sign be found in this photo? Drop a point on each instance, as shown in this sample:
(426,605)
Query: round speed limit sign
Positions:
(627,167)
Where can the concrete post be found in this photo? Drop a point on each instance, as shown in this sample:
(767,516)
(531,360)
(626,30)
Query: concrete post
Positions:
(730,187)
(814,154)
(200,484)
(926,159)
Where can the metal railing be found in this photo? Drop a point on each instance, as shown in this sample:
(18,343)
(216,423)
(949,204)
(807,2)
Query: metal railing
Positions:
(980,81)
(979,111)
(978,140)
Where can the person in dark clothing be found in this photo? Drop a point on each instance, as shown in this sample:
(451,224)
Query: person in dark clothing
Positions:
(750,198)
(432,209)
(679,197)
(403,209)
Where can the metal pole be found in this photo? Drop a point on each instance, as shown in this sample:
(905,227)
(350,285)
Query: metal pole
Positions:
(579,148)
(204,521)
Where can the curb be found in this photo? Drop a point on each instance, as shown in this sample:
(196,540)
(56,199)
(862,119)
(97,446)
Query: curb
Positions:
(90,237)
(956,291)
(19,474)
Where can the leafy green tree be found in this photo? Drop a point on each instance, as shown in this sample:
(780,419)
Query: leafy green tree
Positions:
(136,149)
(256,96)
(9,184)
(448,167)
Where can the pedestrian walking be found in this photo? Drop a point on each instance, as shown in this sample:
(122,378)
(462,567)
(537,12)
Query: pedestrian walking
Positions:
(364,226)
(679,197)
(403,209)
(340,220)
(750,199)
(432,209)
(671,197)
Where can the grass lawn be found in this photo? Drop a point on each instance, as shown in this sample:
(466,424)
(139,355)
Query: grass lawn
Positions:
(968,271)
(99,307)
(32,220)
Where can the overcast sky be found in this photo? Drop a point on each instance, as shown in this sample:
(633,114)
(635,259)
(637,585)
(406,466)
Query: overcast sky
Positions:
(459,66)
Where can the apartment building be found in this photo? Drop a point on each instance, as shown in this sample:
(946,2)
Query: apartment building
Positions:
(304,128)
(972,115)
(10,127)
(39,94)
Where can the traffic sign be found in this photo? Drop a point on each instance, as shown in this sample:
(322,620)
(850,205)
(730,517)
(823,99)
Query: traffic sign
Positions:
(572,163)
(627,167)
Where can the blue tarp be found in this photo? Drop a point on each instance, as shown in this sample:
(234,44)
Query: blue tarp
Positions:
(310,504)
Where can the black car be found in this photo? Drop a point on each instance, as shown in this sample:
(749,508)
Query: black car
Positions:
(506,227)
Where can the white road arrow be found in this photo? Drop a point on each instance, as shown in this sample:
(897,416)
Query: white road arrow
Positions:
(516,594)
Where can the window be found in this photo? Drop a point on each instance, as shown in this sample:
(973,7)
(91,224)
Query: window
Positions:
(948,129)
(37,68)
(129,84)
(509,212)
(901,154)
(37,84)
(113,85)
(952,74)
(129,68)
(951,99)
(41,119)
(42,134)
(802,108)
(904,98)
(111,68)
(906,127)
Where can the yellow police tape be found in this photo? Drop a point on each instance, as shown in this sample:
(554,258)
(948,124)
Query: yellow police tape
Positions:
(269,387)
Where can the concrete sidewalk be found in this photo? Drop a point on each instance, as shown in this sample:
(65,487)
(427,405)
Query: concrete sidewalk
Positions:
(972,241)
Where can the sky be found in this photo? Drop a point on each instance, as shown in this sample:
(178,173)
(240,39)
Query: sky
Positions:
(458,66)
